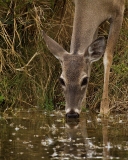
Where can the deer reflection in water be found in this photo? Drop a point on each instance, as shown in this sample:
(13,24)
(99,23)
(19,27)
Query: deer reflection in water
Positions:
(80,144)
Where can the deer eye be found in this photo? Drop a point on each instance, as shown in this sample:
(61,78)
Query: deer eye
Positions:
(62,82)
(84,81)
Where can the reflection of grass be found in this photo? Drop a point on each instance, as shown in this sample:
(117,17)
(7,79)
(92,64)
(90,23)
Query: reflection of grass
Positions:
(54,138)
(29,72)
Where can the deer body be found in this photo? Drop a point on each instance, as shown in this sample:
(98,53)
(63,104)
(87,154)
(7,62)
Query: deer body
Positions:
(87,48)
(89,14)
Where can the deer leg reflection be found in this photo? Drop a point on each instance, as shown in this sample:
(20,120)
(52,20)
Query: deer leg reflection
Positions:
(106,146)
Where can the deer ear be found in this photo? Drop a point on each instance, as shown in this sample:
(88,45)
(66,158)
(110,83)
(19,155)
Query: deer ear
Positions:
(97,49)
(54,47)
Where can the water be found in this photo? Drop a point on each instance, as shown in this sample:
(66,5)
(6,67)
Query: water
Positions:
(37,135)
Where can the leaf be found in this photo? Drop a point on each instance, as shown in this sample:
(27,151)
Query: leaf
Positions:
(1,99)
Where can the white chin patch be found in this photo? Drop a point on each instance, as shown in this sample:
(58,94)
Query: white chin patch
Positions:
(75,110)
(67,110)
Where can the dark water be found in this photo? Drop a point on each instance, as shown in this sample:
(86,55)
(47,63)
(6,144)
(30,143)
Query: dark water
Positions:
(37,135)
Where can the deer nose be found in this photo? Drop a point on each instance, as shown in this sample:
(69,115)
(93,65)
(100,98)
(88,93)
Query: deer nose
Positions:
(72,114)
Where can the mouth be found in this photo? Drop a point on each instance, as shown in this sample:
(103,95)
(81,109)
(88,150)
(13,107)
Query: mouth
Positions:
(72,113)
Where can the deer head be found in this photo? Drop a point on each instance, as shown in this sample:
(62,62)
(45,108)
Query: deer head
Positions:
(75,71)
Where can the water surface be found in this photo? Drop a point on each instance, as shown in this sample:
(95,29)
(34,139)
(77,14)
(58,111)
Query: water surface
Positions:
(37,135)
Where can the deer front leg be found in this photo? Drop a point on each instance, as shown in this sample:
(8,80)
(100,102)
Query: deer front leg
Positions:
(104,108)
(107,61)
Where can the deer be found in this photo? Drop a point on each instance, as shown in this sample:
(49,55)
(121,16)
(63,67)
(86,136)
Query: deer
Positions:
(87,47)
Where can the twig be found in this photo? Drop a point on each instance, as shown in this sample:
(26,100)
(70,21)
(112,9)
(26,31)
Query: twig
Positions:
(22,68)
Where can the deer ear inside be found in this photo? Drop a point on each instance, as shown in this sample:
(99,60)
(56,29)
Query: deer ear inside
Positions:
(54,47)
(97,49)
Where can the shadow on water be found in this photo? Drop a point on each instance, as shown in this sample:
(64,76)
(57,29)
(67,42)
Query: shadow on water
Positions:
(36,135)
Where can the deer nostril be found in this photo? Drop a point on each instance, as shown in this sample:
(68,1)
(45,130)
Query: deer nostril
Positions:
(72,115)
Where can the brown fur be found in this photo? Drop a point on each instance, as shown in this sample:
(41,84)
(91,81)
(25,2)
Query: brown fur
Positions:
(86,48)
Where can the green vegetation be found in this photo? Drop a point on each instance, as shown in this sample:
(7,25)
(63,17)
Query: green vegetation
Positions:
(28,71)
